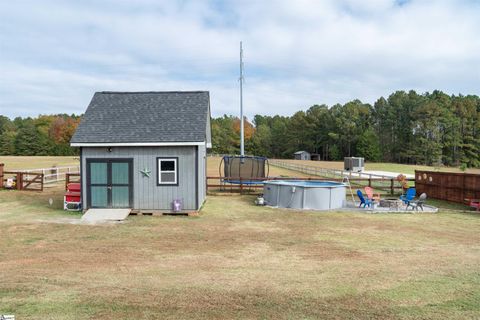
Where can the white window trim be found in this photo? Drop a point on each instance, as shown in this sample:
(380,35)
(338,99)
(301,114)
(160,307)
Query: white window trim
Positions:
(160,171)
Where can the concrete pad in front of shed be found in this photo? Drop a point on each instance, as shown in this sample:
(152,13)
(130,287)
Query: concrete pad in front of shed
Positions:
(99,215)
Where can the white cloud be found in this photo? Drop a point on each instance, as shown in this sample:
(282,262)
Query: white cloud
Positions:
(55,54)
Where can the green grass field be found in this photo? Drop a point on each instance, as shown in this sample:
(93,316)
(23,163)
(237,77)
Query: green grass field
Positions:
(237,261)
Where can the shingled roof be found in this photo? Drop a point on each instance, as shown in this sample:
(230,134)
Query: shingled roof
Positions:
(145,117)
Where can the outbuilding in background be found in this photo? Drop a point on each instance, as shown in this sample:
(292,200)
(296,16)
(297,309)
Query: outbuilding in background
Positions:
(354,164)
(301,155)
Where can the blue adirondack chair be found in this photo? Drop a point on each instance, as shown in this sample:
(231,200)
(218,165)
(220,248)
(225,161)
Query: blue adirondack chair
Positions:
(415,204)
(406,198)
(363,201)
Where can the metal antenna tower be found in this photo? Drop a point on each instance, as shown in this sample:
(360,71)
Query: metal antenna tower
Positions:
(242,142)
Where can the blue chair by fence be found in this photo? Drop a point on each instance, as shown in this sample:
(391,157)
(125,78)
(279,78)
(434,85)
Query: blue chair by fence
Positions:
(415,204)
(363,201)
(406,198)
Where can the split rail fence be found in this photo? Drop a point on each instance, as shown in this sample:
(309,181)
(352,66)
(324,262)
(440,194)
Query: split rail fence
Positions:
(325,172)
(242,185)
(356,179)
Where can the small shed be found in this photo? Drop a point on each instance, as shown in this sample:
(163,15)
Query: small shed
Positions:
(144,150)
(301,155)
(355,164)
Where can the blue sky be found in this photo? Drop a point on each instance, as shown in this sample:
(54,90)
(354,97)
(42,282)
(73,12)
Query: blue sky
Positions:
(55,54)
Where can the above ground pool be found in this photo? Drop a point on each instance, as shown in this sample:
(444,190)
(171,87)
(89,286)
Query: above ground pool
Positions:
(299,194)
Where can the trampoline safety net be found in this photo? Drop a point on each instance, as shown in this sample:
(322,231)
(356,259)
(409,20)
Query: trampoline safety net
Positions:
(250,169)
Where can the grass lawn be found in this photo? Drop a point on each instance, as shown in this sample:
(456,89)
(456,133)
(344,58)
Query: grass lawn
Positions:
(237,261)
(18,163)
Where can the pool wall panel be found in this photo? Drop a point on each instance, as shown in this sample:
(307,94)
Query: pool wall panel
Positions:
(315,195)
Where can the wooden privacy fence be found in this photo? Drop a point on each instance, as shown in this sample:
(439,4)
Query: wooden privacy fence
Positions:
(450,186)
(243,185)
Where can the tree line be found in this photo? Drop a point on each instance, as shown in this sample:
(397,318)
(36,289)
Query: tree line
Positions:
(407,127)
(45,135)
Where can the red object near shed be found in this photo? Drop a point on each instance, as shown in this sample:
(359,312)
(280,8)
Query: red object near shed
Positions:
(72,198)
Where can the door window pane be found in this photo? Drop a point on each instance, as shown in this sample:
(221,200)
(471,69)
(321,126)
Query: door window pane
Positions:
(98,172)
(120,197)
(99,197)
(119,173)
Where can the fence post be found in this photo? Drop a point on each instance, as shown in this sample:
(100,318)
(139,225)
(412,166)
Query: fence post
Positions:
(241,186)
(391,186)
(1,175)
(19,181)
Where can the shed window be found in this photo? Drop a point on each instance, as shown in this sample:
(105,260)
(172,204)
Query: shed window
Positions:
(167,171)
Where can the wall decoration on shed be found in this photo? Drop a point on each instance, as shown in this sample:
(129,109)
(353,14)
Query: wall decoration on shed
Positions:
(146,172)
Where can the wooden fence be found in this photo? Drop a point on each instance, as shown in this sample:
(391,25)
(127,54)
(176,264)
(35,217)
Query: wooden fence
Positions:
(72,177)
(54,174)
(450,186)
(29,181)
(243,185)
(326,172)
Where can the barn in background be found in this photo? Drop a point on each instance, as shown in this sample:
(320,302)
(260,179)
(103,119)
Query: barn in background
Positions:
(144,150)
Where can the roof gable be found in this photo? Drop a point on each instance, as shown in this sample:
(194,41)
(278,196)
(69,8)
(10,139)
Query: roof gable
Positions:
(145,117)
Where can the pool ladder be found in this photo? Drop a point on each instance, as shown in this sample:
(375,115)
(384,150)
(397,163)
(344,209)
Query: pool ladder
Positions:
(346,180)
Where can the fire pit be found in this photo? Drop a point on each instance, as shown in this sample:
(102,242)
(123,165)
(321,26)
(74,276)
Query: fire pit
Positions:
(392,204)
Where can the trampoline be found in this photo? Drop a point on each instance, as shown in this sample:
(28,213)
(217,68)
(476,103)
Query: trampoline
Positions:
(249,170)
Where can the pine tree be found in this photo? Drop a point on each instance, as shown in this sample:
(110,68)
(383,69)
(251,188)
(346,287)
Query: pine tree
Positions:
(28,141)
(7,143)
(368,146)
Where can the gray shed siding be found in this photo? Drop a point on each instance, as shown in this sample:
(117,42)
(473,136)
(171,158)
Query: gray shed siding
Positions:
(202,174)
(146,194)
